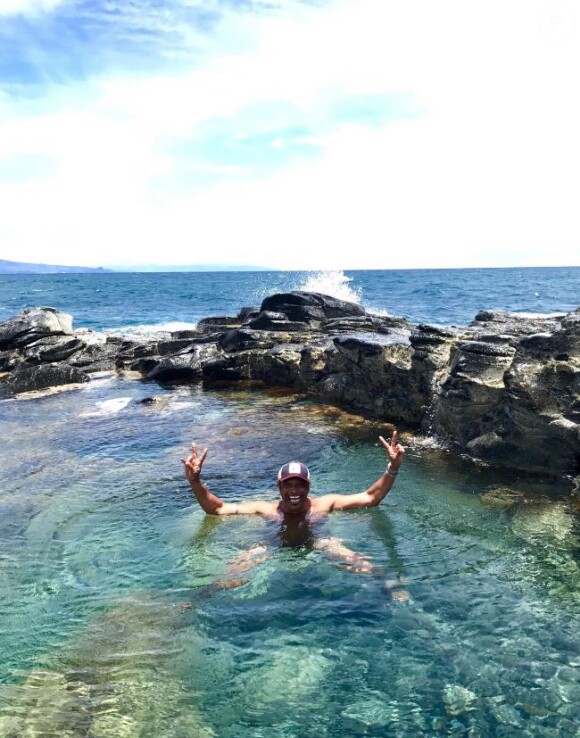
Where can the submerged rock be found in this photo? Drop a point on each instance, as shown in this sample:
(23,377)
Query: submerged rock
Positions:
(372,714)
(458,700)
(502,497)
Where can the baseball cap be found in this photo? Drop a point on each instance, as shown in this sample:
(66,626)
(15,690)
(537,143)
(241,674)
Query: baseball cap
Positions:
(294,469)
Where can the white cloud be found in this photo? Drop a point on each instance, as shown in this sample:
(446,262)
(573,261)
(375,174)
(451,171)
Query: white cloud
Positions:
(487,175)
(27,7)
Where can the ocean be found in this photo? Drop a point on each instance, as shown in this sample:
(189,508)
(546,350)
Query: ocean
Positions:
(174,300)
(127,612)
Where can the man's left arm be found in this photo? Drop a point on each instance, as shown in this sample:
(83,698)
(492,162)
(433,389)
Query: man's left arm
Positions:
(377,492)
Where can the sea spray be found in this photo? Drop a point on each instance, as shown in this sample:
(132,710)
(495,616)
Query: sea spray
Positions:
(334,283)
(151,330)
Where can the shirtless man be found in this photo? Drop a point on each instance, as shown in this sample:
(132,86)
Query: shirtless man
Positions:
(296,512)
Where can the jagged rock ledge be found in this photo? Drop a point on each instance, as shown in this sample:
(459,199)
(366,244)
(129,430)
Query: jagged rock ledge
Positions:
(505,388)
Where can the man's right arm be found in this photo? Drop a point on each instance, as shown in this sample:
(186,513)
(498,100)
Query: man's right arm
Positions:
(210,503)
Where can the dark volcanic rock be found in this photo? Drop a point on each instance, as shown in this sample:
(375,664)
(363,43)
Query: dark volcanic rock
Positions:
(187,333)
(95,357)
(514,324)
(28,378)
(217,325)
(186,365)
(33,323)
(310,307)
(247,313)
(8,360)
(367,374)
(470,401)
(228,367)
(51,348)
(368,324)
(268,320)
(244,338)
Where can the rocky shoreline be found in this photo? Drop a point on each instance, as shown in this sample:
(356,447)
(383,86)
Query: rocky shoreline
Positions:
(505,388)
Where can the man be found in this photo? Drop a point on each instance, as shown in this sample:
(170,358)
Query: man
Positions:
(296,513)
(294,487)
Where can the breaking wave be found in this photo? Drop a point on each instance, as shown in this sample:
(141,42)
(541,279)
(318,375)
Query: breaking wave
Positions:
(334,283)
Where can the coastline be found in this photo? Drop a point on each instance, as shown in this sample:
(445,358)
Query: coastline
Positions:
(501,390)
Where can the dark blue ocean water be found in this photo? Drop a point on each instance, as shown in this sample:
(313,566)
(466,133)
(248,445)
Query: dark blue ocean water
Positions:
(443,296)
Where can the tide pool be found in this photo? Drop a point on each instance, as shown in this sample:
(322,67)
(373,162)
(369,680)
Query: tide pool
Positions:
(114,622)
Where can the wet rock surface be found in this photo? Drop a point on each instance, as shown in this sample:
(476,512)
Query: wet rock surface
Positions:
(32,378)
(505,388)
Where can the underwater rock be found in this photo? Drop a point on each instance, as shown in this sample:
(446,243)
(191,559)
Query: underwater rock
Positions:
(372,714)
(458,700)
(552,522)
(507,715)
(118,678)
(502,497)
(157,402)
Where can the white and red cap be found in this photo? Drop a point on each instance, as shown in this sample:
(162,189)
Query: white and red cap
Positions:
(294,469)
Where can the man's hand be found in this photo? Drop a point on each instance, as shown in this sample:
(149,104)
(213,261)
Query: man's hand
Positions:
(193,464)
(212,504)
(395,451)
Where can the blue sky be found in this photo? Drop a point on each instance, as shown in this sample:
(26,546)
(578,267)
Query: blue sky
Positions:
(336,134)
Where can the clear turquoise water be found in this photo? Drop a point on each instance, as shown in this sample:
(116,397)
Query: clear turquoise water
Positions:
(112,618)
(111,623)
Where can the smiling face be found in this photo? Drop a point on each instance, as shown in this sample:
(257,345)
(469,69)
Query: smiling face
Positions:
(294,493)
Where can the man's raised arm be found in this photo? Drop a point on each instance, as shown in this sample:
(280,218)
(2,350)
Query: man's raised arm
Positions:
(377,492)
(212,504)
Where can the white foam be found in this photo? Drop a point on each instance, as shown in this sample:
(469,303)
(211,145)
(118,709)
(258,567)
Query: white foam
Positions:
(537,315)
(90,337)
(107,407)
(182,405)
(149,330)
(378,311)
(332,283)
(429,442)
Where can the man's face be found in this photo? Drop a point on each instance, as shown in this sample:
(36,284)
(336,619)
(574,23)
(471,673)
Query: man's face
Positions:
(294,493)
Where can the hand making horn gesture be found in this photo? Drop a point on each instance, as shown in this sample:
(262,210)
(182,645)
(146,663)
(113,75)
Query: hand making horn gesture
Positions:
(193,464)
(395,451)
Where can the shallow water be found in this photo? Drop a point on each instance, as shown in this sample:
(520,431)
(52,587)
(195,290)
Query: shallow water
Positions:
(112,623)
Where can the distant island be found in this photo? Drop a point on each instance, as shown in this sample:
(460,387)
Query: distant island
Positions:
(22,267)
(164,268)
